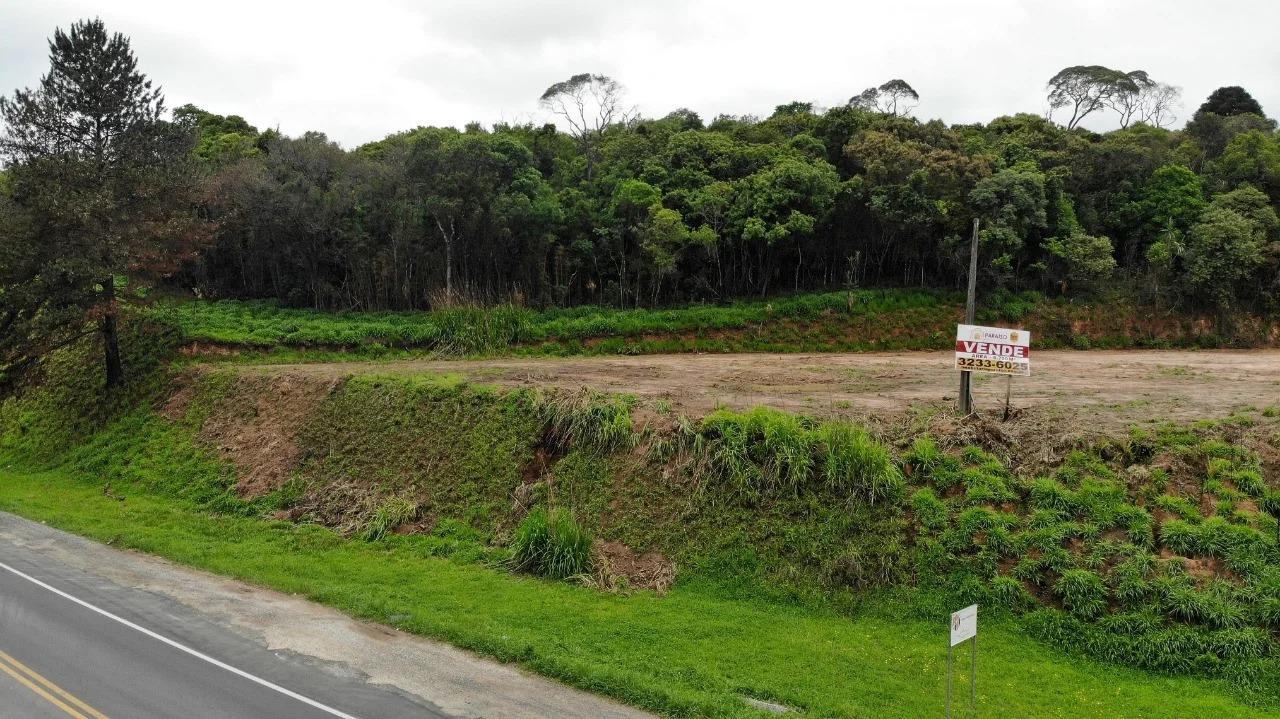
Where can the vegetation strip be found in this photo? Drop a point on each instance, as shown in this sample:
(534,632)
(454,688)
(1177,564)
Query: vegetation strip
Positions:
(690,653)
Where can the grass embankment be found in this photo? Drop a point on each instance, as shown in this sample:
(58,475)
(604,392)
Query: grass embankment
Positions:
(817,562)
(694,652)
(860,320)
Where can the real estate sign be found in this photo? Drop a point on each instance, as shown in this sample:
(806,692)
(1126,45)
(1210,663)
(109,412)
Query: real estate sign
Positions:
(998,350)
(964,624)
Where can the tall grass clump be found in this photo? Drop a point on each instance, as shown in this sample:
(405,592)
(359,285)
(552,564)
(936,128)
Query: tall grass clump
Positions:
(759,451)
(587,420)
(386,517)
(855,464)
(551,544)
(766,451)
(1082,592)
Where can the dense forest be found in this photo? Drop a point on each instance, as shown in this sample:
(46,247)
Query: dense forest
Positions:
(106,194)
(638,212)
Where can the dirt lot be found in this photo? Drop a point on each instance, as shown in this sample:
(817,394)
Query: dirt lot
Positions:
(1112,388)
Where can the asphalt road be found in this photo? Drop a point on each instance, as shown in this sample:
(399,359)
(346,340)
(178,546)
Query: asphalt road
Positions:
(76,645)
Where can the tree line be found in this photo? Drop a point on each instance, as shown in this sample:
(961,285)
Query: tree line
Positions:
(103,192)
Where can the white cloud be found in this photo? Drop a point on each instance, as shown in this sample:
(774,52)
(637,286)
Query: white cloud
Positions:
(359,71)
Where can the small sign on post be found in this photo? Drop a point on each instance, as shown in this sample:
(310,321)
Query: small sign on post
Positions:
(964,628)
(964,624)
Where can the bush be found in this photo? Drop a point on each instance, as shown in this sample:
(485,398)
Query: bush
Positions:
(551,544)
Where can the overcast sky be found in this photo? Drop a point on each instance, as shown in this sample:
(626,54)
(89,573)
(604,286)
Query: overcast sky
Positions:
(360,69)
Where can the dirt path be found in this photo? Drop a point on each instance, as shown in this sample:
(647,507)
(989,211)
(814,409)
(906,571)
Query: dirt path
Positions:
(1115,387)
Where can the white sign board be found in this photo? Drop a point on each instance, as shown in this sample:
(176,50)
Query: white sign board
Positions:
(964,624)
(998,350)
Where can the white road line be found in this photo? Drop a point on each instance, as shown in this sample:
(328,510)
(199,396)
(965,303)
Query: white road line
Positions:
(198,655)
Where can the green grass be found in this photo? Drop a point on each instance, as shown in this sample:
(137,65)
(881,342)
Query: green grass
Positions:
(694,652)
(473,330)
(856,320)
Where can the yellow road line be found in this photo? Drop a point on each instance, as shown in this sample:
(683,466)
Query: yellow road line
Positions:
(17,669)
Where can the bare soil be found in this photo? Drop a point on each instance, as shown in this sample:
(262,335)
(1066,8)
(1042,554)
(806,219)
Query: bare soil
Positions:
(255,427)
(1100,390)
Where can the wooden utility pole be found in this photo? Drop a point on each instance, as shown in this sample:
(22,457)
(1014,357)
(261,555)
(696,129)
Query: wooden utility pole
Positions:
(966,381)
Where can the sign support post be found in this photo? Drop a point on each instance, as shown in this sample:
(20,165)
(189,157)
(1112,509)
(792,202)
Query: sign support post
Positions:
(970,312)
(964,627)
(1008,390)
(951,650)
(973,675)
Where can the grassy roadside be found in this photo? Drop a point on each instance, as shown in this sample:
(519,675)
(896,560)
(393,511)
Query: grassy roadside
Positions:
(694,652)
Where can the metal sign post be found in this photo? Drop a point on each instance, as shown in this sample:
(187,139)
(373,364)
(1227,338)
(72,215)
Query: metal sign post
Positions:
(964,627)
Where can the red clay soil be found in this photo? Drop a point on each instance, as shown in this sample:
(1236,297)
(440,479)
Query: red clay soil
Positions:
(255,426)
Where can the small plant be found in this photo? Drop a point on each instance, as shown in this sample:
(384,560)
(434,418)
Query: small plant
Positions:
(929,510)
(925,458)
(551,544)
(1180,506)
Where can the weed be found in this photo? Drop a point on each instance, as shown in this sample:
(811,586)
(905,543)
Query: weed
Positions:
(587,419)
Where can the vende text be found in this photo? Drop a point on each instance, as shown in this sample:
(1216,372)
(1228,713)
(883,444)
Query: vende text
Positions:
(991,349)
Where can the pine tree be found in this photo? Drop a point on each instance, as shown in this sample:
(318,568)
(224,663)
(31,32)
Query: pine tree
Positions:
(104,180)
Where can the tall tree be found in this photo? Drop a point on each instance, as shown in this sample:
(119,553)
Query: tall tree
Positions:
(895,97)
(1085,89)
(1147,101)
(589,104)
(1231,100)
(103,178)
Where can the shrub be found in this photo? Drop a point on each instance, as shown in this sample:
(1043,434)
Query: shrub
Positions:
(551,544)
